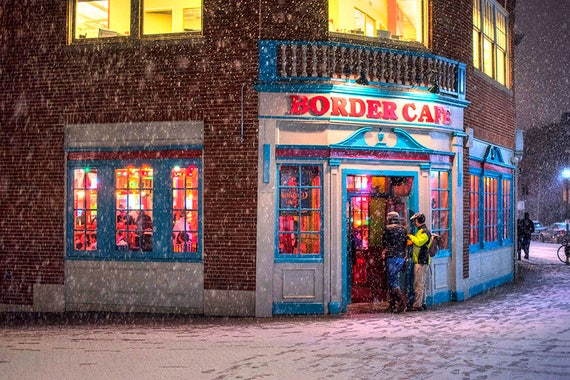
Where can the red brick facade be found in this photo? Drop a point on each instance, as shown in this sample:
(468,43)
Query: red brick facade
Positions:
(46,82)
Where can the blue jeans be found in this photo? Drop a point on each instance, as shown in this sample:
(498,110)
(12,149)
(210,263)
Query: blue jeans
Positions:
(393,267)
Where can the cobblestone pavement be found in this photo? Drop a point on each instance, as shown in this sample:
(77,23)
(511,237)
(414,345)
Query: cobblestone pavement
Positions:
(519,331)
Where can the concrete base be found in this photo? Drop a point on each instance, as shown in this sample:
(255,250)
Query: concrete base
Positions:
(229,303)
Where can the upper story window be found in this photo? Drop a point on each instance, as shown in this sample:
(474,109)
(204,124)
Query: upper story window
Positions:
(94,19)
(490,50)
(396,19)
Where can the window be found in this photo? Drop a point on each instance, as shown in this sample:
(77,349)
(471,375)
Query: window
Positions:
(491,210)
(474,209)
(300,210)
(96,19)
(131,210)
(85,209)
(490,196)
(396,19)
(440,206)
(490,52)
(134,189)
(185,209)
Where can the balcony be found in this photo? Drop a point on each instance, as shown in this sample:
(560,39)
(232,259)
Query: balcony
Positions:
(299,62)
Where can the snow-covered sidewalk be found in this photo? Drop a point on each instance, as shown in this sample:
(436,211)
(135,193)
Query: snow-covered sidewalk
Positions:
(521,330)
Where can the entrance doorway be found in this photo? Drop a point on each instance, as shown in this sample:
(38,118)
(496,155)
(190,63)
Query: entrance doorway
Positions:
(369,199)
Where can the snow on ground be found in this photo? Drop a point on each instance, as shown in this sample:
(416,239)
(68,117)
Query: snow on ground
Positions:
(521,330)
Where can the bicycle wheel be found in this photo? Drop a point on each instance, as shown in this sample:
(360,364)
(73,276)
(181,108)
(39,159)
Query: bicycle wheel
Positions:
(562,254)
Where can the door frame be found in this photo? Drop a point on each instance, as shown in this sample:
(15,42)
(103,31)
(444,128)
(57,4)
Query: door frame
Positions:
(413,205)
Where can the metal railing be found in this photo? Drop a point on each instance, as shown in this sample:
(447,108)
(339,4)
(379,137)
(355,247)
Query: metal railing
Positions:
(299,61)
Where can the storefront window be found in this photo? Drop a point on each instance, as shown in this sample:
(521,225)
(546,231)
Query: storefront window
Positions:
(134,209)
(85,209)
(185,209)
(134,189)
(395,19)
(474,209)
(440,206)
(506,209)
(300,210)
(491,211)
(490,49)
(94,19)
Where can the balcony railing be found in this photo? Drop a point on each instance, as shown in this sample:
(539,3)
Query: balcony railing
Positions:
(298,62)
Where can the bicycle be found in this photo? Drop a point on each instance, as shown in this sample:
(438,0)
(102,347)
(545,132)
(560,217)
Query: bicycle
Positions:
(564,251)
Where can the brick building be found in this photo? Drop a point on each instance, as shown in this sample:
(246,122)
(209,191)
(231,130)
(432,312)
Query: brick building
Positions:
(239,158)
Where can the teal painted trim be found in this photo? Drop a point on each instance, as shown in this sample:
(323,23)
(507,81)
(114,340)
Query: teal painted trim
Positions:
(335,308)
(413,205)
(298,308)
(404,142)
(136,148)
(292,258)
(266,163)
(441,297)
(458,296)
(481,288)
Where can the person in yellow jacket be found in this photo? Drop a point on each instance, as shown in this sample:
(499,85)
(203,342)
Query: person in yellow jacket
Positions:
(421,260)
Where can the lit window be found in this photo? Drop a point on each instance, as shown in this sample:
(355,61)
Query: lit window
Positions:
(185,209)
(396,19)
(300,210)
(440,206)
(94,19)
(490,53)
(102,18)
(490,196)
(474,209)
(85,209)
(134,188)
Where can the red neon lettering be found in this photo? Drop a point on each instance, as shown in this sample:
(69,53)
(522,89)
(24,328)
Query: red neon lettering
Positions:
(406,113)
(313,105)
(299,105)
(425,115)
(338,107)
(374,109)
(447,117)
(354,104)
(389,111)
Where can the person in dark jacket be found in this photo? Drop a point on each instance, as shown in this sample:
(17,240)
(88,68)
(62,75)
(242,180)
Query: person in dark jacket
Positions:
(394,242)
(525,228)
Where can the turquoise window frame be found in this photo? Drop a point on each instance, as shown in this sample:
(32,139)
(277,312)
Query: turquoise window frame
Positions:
(438,227)
(162,249)
(505,212)
(299,257)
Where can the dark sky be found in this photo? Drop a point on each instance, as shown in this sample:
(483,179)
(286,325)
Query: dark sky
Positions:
(542,62)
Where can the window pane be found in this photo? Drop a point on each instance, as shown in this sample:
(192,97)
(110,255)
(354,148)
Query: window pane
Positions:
(134,192)
(185,209)
(171,16)
(85,209)
(397,19)
(102,18)
(300,209)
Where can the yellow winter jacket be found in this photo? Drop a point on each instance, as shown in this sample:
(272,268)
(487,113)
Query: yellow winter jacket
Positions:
(419,239)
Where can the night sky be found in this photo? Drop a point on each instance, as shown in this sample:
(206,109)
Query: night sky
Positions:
(542,62)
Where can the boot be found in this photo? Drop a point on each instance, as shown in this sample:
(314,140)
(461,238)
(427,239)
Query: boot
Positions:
(392,304)
(400,305)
